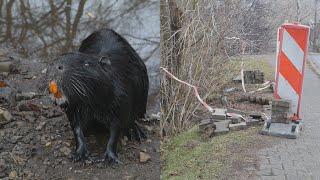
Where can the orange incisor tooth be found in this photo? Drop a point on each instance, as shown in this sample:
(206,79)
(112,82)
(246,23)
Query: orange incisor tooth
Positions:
(53,88)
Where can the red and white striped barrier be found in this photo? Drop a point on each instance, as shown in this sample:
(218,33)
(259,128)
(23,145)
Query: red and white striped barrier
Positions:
(292,49)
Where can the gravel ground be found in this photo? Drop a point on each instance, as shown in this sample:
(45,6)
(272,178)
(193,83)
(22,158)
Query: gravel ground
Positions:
(38,141)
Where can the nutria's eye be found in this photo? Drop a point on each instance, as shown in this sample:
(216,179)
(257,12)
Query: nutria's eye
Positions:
(60,67)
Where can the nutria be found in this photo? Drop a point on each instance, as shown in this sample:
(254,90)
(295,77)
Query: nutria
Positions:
(105,83)
(107,40)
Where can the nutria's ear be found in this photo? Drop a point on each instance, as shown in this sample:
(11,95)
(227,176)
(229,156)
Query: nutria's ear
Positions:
(105,60)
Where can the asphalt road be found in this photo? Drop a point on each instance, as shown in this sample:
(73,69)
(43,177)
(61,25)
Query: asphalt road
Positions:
(300,158)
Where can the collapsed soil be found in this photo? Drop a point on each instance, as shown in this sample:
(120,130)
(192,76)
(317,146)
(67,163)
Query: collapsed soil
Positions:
(37,143)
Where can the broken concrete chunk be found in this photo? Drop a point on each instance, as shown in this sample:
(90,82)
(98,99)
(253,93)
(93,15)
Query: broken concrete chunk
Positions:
(230,90)
(206,128)
(221,127)
(253,122)
(219,114)
(205,123)
(281,103)
(266,108)
(279,111)
(235,120)
(5,115)
(144,157)
(254,99)
(239,126)
(280,118)
(25,96)
(251,77)
(5,66)
(237,79)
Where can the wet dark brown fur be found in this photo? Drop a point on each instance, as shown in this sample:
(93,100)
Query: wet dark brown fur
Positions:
(106,83)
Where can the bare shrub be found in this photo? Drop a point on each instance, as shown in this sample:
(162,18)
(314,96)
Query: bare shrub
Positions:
(48,27)
(197,47)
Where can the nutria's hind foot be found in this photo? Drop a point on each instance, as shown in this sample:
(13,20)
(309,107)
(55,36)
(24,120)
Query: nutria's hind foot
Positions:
(110,155)
(80,155)
(110,158)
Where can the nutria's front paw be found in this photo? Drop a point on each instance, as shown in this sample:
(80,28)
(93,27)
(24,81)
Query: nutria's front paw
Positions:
(136,133)
(139,134)
(80,155)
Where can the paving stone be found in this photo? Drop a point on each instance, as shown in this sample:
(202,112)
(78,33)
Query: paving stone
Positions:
(237,79)
(219,114)
(281,103)
(291,177)
(235,120)
(299,158)
(237,127)
(207,128)
(205,123)
(253,122)
(5,66)
(221,127)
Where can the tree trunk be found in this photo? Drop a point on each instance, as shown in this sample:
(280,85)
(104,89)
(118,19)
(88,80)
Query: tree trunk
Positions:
(72,32)
(9,20)
(175,24)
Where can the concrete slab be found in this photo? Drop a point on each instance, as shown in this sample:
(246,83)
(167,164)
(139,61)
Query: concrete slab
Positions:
(5,66)
(206,123)
(254,122)
(219,114)
(221,127)
(290,131)
(281,103)
(237,127)
(235,120)
(206,128)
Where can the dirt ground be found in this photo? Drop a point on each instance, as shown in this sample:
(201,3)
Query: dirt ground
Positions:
(38,141)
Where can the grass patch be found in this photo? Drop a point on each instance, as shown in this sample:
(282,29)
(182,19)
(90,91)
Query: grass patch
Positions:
(206,159)
(256,63)
(187,156)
